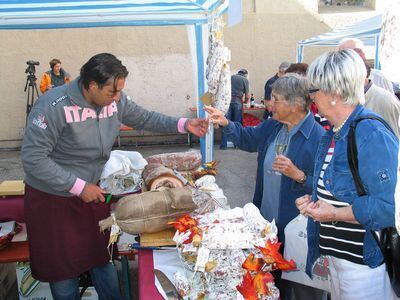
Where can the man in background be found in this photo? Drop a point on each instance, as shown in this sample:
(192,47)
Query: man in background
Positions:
(382,102)
(240,94)
(268,90)
(376,76)
(378,99)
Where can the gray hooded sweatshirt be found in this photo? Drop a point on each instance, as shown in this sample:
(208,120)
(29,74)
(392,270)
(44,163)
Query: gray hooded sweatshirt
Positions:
(67,138)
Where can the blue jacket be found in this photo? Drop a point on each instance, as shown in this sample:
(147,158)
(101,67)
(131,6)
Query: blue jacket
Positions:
(301,151)
(377,159)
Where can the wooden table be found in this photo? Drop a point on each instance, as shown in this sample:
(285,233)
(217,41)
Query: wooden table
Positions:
(15,252)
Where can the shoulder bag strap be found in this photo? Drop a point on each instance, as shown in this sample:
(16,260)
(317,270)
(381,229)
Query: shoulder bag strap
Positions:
(353,163)
(352,151)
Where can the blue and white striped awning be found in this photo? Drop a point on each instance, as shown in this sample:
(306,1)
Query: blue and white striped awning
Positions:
(47,14)
(367,30)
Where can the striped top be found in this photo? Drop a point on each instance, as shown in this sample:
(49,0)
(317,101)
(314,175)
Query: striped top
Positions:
(338,239)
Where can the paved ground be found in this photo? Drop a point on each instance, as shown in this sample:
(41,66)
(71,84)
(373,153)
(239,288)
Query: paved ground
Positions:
(237,170)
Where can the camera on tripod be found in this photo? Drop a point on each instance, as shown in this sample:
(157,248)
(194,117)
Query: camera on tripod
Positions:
(31,66)
(30,86)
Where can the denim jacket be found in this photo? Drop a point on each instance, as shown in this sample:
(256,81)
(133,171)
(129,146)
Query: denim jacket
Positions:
(377,159)
(301,152)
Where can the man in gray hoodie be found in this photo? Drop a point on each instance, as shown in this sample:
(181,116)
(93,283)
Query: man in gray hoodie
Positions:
(69,137)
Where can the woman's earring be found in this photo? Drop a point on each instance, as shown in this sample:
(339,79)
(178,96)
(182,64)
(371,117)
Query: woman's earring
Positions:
(333,102)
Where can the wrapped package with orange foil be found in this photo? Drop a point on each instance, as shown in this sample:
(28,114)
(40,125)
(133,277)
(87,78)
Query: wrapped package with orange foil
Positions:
(221,247)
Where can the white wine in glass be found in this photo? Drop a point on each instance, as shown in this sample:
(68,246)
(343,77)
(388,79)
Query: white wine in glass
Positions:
(281,142)
(280,148)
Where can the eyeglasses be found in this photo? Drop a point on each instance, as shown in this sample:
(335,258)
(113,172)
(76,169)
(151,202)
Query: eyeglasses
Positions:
(312,91)
(277,101)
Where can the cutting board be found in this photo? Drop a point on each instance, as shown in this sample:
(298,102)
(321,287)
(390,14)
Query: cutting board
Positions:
(12,188)
(158,239)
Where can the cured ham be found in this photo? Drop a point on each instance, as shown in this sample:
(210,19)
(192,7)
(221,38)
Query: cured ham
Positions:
(156,175)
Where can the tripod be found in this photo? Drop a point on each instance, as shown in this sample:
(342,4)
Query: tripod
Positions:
(31,86)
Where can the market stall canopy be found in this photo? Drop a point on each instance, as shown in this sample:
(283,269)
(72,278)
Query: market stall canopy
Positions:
(367,30)
(47,14)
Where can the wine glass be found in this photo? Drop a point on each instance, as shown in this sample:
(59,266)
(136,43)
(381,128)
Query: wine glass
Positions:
(281,143)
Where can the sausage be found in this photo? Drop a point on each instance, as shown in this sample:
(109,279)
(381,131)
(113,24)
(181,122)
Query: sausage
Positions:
(180,161)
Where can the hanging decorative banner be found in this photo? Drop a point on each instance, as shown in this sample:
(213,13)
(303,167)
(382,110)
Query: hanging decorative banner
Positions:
(390,42)
(218,72)
(390,62)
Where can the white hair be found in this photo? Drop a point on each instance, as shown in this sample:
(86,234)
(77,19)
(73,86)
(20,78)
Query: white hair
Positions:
(294,89)
(339,73)
(355,43)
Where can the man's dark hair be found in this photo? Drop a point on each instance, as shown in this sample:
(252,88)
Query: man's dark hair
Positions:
(101,68)
(298,68)
(53,62)
(243,72)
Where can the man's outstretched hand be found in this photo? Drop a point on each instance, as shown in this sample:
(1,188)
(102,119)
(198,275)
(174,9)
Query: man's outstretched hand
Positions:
(198,127)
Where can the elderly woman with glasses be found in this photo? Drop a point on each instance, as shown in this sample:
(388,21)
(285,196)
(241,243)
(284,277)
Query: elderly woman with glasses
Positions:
(286,146)
(340,222)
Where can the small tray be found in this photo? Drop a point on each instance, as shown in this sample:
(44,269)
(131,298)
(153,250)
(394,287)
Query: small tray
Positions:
(12,188)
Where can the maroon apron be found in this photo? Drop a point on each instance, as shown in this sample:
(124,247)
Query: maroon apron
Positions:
(64,236)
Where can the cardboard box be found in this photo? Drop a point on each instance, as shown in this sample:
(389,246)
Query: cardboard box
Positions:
(7,279)
(32,289)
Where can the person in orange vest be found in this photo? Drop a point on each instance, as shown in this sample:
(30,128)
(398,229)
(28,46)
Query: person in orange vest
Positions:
(55,77)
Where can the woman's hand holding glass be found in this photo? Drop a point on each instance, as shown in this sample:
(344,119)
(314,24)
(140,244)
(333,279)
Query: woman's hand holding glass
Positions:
(284,165)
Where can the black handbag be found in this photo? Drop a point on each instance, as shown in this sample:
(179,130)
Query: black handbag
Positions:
(388,239)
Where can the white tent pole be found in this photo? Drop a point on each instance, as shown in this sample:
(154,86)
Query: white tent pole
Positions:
(299,57)
(198,37)
(377,52)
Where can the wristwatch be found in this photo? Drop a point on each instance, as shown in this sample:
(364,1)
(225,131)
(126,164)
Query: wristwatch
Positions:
(303,179)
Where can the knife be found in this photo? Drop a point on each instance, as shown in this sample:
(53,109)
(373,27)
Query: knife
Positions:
(180,176)
(167,285)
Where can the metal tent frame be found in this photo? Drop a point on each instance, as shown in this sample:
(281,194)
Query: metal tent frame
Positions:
(367,30)
(196,15)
